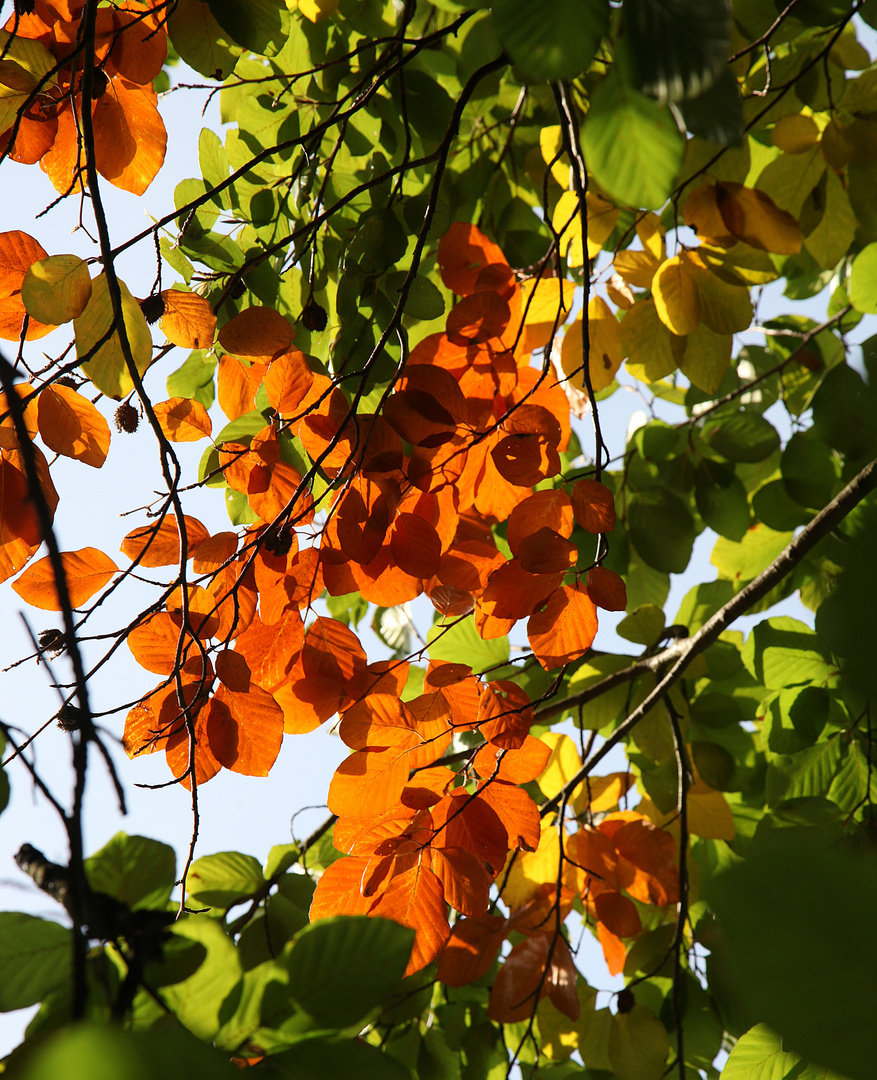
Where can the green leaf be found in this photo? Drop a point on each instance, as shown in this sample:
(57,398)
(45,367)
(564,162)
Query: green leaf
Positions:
(320,1057)
(794,888)
(224,879)
(741,436)
(675,49)
(717,114)
(342,967)
(644,625)
(810,470)
(741,562)
(195,378)
(551,41)
(261,26)
(632,144)
(702,602)
(197,1000)
(200,41)
(785,652)
(863,280)
(134,869)
(459,643)
(90,1051)
(759,1055)
(661,529)
(35,956)
(722,503)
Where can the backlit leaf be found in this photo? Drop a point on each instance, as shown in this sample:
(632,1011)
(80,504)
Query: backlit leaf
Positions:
(70,425)
(86,572)
(57,289)
(105,363)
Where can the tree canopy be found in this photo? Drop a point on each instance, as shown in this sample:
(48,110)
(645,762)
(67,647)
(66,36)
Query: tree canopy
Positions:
(430,244)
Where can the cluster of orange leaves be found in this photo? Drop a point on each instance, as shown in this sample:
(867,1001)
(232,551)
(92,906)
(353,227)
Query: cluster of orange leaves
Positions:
(462,438)
(42,91)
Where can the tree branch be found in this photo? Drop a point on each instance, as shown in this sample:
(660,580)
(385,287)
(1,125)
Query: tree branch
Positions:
(810,535)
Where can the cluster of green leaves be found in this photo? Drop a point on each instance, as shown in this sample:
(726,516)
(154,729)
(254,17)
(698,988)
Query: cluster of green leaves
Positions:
(359,132)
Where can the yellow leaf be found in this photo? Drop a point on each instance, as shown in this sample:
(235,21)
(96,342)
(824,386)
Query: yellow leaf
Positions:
(795,133)
(86,571)
(676,296)
(183,419)
(533,869)
(646,342)
(602,793)
(703,357)
(604,352)
(726,309)
(70,425)
(739,264)
(638,1045)
(57,289)
(563,764)
(709,814)
(602,218)
(314,10)
(701,213)
(106,365)
(567,222)
(561,1036)
(651,231)
(752,215)
(545,303)
(551,146)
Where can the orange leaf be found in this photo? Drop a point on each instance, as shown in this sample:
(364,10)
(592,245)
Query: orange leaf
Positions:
(544,552)
(246,735)
(378,722)
(525,460)
(504,714)
(188,319)
(613,949)
(594,506)
(462,252)
(518,766)
(236,385)
(618,914)
(25,393)
(154,641)
(517,812)
(183,419)
(287,381)
(200,608)
(465,882)
(466,821)
(129,136)
(160,543)
(338,890)
(542,509)
(752,216)
(606,589)
(471,949)
(271,651)
(258,333)
(564,630)
(214,551)
(20,534)
(18,251)
(512,593)
(415,546)
(521,982)
(370,777)
(86,571)
(415,898)
(72,426)
(478,318)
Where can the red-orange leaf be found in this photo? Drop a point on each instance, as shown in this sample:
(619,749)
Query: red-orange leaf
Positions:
(465,882)
(545,552)
(154,643)
(542,509)
(183,419)
(607,589)
(86,571)
(129,136)
(471,949)
(594,506)
(564,629)
(462,252)
(415,546)
(70,425)
(372,778)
